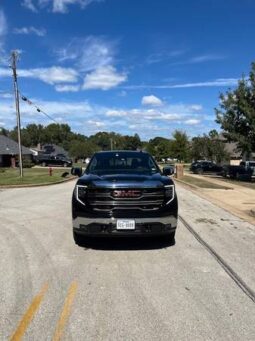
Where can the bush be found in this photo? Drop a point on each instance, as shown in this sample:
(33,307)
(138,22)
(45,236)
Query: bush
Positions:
(27,163)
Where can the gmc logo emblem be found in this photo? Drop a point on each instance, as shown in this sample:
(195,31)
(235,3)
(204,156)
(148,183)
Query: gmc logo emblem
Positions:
(126,193)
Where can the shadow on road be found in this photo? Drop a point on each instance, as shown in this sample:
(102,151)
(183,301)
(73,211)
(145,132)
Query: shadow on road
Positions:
(127,243)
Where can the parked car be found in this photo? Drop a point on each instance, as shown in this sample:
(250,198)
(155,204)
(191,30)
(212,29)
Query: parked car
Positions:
(51,160)
(124,193)
(245,171)
(203,166)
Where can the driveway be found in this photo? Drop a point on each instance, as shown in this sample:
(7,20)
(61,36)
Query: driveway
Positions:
(51,289)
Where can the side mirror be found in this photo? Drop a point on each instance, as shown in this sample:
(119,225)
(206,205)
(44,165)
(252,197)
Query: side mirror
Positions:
(168,171)
(76,171)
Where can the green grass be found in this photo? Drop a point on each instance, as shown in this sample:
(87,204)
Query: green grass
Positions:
(9,176)
(202,183)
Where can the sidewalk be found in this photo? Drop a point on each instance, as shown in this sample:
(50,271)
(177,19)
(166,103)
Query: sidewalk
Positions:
(239,200)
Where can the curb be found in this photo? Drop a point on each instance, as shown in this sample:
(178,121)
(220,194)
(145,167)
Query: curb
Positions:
(38,185)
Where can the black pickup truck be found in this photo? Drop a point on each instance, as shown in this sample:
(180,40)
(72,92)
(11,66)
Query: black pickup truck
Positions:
(53,160)
(244,171)
(203,166)
(124,193)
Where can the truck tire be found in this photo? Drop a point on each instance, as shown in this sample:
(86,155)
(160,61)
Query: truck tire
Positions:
(200,171)
(65,164)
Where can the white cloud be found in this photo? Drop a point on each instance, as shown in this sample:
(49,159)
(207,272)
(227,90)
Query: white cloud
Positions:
(56,6)
(151,100)
(192,121)
(205,58)
(88,53)
(40,32)
(105,78)
(115,113)
(6,95)
(96,124)
(29,5)
(90,118)
(51,75)
(67,88)
(214,83)
(3,32)
(3,24)
(162,56)
(196,107)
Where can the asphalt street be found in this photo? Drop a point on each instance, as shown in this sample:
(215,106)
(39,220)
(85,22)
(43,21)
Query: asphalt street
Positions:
(129,289)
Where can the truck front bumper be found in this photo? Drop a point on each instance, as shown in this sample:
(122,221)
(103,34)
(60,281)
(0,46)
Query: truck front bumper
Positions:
(108,226)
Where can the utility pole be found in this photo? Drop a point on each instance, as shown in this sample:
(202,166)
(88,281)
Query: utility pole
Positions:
(14,57)
(111,143)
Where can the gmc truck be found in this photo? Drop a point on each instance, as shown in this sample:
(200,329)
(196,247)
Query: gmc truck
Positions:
(245,171)
(124,193)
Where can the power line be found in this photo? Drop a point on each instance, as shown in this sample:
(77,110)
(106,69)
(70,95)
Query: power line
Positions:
(24,98)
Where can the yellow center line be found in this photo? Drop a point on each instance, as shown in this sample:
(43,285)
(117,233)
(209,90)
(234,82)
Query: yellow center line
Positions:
(29,314)
(65,312)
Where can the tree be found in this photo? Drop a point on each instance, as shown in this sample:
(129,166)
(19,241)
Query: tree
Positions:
(180,146)
(132,142)
(159,147)
(4,131)
(81,150)
(209,147)
(57,133)
(236,114)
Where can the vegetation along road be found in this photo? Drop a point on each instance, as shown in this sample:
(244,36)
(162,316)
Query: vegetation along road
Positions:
(201,288)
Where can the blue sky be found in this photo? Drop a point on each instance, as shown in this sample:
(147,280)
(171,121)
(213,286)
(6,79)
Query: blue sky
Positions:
(146,67)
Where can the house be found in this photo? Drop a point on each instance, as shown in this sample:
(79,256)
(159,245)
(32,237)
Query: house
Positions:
(9,152)
(235,154)
(51,149)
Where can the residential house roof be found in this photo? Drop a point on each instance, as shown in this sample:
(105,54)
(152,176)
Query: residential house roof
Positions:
(11,147)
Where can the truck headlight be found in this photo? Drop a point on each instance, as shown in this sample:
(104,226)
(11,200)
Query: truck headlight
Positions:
(80,193)
(169,193)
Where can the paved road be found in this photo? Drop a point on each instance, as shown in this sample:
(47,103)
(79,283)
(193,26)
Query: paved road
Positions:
(50,289)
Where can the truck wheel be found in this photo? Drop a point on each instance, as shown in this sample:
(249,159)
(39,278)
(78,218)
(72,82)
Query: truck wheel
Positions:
(237,176)
(78,239)
(44,164)
(65,164)
(200,171)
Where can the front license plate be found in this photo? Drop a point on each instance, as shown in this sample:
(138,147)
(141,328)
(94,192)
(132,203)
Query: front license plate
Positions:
(125,224)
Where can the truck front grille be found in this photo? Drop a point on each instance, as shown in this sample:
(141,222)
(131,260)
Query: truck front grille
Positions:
(144,199)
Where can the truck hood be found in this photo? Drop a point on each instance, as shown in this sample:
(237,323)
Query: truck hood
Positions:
(125,180)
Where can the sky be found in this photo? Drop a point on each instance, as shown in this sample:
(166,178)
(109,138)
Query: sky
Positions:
(129,66)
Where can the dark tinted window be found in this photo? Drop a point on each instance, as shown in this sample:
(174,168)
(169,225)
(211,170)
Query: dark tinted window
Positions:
(122,162)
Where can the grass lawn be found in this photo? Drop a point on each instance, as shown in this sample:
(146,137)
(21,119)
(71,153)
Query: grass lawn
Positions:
(202,183)
(247,184)
(10,176)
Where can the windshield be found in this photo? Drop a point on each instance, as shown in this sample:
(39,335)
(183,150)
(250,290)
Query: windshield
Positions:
(122,162)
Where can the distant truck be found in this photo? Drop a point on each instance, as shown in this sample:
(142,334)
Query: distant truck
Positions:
(204,166)
(245,171)
(51,160)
